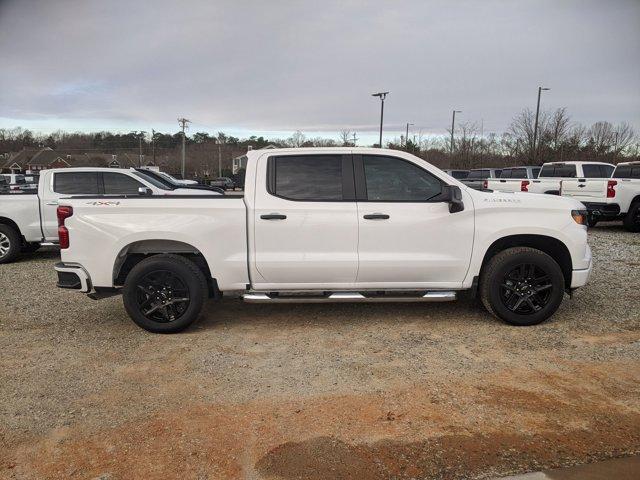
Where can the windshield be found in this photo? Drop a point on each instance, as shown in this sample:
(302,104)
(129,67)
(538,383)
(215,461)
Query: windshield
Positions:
(152,180)
(168,177)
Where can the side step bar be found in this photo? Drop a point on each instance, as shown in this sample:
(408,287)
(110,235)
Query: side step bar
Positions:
(349,297)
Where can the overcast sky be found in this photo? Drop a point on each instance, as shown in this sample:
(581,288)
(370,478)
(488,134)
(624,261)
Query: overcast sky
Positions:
(275,67)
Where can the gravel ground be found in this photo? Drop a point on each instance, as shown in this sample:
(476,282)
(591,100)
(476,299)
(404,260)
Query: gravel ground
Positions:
(318,391)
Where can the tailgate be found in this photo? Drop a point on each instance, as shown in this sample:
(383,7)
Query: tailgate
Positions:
(585,189)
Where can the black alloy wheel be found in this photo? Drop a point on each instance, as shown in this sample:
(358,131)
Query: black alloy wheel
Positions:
(522,286)
(162,296)
(526,289)
(164,293)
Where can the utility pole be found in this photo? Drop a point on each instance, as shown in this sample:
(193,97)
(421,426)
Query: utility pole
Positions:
(140,135)
(183,123)
(453,127)
(535,128)
(153,145)
(382,96)
(615,145)
(219,160)
(406,135)
(354,139)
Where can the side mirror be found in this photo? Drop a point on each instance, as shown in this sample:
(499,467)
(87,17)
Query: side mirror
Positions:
(145,191)
(453,195)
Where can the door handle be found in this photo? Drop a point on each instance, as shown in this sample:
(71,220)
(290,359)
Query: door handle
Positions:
(53,202)
(273,216)
(376,216)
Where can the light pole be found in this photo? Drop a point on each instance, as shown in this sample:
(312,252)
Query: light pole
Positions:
(535,127)
(453,126)
(406,135)
(382,96)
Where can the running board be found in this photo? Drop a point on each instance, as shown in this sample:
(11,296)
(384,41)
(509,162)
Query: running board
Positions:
(348,297)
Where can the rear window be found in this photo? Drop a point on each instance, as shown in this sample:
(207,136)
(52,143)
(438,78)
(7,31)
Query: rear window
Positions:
(479,174)
(514,173)
(558,170)
(597,171)
(627,171)
(535,172)
(459,174)
(76,183)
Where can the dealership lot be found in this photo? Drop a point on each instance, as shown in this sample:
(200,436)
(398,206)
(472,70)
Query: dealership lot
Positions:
(318,391)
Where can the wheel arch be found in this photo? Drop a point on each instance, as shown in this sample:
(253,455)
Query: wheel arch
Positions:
(11,223)
(133,253)
(553,247)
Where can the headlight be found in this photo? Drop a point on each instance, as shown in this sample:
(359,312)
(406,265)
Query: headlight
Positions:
(579,216)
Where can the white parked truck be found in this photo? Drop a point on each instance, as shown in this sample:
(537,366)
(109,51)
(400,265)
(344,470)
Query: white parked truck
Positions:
(513,179)
(552,173)
(28,220)
(617,198)
(327,225)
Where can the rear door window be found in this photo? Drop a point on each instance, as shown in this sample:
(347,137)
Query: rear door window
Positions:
(306,177)
(506,173)
(76,183)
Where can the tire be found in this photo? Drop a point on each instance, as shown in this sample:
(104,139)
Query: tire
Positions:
(164,278)
(30,247)
(10,243)
(502,286)
(631,220)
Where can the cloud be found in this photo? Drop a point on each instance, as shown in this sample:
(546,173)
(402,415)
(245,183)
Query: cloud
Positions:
(281,66)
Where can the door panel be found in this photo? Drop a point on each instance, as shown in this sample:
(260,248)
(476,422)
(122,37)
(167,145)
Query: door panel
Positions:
(305,222)
(419,244)
(407,238)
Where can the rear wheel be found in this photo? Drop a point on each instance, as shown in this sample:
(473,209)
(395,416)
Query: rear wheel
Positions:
(631,220)
(164,293)
(10,243)
(522,286)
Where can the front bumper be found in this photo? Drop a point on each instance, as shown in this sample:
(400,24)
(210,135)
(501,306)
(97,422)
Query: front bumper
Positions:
(601,211)
(580,276)
(73,276)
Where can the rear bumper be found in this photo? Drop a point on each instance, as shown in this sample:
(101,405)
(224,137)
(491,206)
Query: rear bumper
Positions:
(602,210)
(73,276)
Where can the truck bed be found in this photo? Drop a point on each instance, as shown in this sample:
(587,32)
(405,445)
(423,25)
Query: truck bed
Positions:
(213,226)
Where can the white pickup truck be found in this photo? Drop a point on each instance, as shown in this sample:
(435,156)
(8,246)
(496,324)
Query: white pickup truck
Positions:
(28,220)
(327,225)
(512,179)
(552,173)
(617,198)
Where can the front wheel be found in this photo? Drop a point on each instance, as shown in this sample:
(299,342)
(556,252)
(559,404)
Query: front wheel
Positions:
(631,220)
(522,286)
(164,293)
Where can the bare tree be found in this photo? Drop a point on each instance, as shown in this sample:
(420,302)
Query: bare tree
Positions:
(297,139)
(345,137)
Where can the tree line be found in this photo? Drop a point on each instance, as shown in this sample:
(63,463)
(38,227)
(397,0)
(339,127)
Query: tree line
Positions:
(558,139)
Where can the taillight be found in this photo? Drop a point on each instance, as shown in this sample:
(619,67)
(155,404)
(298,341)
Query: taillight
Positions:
(485,185)
(611,191)
(63,213)
(524,186)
